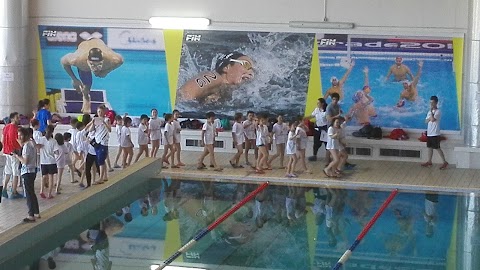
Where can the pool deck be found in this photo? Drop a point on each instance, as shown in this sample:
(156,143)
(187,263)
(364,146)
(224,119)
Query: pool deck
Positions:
(67,210)
(12,211)
(368,174)
(380,175)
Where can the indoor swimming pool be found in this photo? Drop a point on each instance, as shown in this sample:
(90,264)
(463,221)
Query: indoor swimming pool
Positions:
(283,227)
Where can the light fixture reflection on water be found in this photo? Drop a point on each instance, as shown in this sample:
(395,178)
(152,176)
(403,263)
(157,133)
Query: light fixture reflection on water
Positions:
(154,266)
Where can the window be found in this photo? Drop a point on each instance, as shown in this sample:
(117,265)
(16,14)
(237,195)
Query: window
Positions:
(399,153)
(190,142)
(197,143)
(359,151)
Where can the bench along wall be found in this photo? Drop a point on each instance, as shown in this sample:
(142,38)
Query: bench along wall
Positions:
(359,148)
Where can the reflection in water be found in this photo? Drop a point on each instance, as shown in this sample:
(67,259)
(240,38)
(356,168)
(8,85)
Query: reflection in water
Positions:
(283,227)
(402,235)
(93,243)
(430,215)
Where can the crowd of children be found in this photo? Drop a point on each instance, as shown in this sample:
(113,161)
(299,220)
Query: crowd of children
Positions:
(257,133)
(253,133)
(83,150)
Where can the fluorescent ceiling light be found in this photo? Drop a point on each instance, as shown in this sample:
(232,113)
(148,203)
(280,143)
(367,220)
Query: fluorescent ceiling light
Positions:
(179,23)
(154,266)
(321,25)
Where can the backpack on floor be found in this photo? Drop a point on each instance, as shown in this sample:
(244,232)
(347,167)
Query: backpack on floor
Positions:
(398,134)
(364,132)
(196,124)
(358,134)
(186,124)
(376,133)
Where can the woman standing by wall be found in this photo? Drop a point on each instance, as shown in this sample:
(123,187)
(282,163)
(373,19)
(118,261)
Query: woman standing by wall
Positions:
(28,158)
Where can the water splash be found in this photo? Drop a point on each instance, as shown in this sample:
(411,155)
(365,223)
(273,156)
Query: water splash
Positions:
(282,67)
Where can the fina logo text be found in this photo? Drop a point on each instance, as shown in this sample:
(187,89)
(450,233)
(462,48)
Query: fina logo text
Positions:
(193,37)
(327,42)
(129,38)
(49,33)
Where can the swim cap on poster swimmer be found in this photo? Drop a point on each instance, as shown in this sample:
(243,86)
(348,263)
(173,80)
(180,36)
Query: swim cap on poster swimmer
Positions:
(95,54)
(224,60)
(357,96)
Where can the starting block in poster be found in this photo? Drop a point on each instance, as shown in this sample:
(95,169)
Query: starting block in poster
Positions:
(71,101)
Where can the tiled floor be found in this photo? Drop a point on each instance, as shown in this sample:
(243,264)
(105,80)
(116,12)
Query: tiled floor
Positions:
(372,174)
(12,211)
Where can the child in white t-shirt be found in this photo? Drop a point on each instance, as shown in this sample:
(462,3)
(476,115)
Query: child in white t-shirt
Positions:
(178,136)
(80,141)
(280,134)
(118,131)
(48,146)
(334,146)
(169,142)
(76,156)
(155,126)
(238,135)
(291,150)
(67,137)
(208,141)
(261,143)
(126,142)
(142,137)
(301,133)
(35,126)
(250,126)
(61,159)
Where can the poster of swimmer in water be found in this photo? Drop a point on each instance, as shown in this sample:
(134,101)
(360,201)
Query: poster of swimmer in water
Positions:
(387,81)
(229,72)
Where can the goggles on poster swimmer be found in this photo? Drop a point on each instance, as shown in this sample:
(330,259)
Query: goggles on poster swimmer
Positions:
(246,64)
(96,64)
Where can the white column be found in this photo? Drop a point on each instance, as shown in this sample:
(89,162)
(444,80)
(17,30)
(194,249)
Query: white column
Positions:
(468,230)
(471,88)
(13,57)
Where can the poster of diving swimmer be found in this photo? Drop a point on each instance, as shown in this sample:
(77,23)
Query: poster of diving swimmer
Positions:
(229,72)
(388,82)
(84,67)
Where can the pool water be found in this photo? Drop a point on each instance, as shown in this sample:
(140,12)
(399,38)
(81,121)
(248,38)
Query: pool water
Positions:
(285,227)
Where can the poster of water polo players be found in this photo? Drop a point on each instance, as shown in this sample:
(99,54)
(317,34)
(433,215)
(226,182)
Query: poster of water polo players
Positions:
(83,67)
(229,72)
(389,81)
